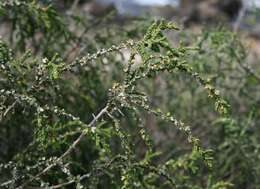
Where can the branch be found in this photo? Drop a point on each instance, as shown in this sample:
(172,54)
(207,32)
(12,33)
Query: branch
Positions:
(68,151)
(250,71)
(74,5)
(107,165)
(7,110)
(240,17)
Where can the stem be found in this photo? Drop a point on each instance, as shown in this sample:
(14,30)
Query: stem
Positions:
(68,151)
(8,110)
(117,158)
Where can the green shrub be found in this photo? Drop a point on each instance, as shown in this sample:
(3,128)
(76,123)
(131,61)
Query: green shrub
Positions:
(71,119)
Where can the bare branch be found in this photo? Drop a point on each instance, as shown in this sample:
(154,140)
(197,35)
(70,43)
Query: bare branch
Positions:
(8,110)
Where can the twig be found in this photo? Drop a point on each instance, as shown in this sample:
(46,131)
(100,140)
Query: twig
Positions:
(108,164)
(8,110)
(240,17)
(6,183)
(249,70)
(68,151)
(74,5)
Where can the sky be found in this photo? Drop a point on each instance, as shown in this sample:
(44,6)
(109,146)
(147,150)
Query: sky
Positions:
(156,2)
(256,2)
(132,5)
(175,2)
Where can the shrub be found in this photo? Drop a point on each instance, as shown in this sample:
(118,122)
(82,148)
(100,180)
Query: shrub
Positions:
(87,120)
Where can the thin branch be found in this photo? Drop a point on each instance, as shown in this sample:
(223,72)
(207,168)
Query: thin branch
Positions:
(240,17)
(68,151)
(249,70)
(6,183)
(74,5)
(105,166)
(8,110)
(86,175)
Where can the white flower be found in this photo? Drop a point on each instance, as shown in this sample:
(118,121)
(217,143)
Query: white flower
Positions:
(45,60)
(40,109)
(217,92)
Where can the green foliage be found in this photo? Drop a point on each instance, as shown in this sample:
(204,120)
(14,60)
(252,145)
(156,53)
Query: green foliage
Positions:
(31,20)
(71,119)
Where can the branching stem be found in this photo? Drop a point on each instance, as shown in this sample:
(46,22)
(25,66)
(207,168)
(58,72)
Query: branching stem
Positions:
(68,151)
